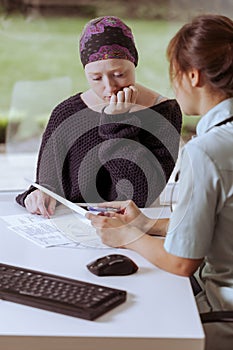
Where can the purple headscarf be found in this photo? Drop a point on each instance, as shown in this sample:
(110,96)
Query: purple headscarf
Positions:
(107,37)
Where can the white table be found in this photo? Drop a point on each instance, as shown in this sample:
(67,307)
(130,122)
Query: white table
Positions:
(160,311)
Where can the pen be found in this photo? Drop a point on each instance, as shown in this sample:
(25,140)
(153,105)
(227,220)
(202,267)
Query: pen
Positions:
(106,209)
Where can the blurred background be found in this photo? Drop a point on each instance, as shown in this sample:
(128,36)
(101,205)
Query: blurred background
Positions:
(39,58)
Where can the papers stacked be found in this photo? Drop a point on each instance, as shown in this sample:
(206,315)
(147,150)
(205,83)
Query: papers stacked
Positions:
(65,228)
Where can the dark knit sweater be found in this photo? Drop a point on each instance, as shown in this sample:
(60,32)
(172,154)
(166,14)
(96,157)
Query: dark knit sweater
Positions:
(87,156)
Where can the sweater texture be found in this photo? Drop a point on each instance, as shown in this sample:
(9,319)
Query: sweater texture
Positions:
(87,156)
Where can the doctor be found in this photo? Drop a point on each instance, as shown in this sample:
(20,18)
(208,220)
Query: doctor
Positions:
(199,233)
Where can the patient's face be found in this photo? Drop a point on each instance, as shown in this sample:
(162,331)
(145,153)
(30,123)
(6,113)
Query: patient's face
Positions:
(107,77)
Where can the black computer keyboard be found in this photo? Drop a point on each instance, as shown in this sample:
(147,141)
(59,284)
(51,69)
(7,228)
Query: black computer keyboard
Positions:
(56,293)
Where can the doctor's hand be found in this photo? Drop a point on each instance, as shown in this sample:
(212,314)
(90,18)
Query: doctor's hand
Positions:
(40,203)
(131,213)
(122,101)
(119,230)
(113,231)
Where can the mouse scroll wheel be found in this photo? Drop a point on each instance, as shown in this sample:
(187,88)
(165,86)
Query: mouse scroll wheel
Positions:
(115,261)
(100,264)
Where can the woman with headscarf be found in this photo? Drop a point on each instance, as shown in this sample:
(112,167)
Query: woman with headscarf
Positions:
(112,141)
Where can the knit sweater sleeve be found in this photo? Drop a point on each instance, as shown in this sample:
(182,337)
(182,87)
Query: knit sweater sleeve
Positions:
(48,172)
(140,150)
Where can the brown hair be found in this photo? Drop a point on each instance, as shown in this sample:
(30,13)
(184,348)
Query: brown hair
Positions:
(206,44)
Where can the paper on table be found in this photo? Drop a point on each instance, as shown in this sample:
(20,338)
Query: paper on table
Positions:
(25,219)
(76,228)
(81,229)
(72,225)
(65,228)
(44,233)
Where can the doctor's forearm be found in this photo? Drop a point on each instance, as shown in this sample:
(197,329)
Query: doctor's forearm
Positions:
(152,248)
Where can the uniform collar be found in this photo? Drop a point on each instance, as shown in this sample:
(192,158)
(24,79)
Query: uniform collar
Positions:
(215,115)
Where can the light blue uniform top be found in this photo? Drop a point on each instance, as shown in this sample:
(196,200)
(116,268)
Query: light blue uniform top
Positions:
(202,223)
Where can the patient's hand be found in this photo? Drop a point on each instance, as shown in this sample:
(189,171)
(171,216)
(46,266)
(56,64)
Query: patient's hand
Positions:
(40,203)
(122,101)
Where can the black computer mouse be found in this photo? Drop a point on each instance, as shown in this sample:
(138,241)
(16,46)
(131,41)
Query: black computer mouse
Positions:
(113,265)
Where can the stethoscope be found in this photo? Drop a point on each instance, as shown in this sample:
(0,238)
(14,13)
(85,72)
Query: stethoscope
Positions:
(177,176)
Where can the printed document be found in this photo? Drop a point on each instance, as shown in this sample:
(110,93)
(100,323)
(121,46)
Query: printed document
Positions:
(64,228)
